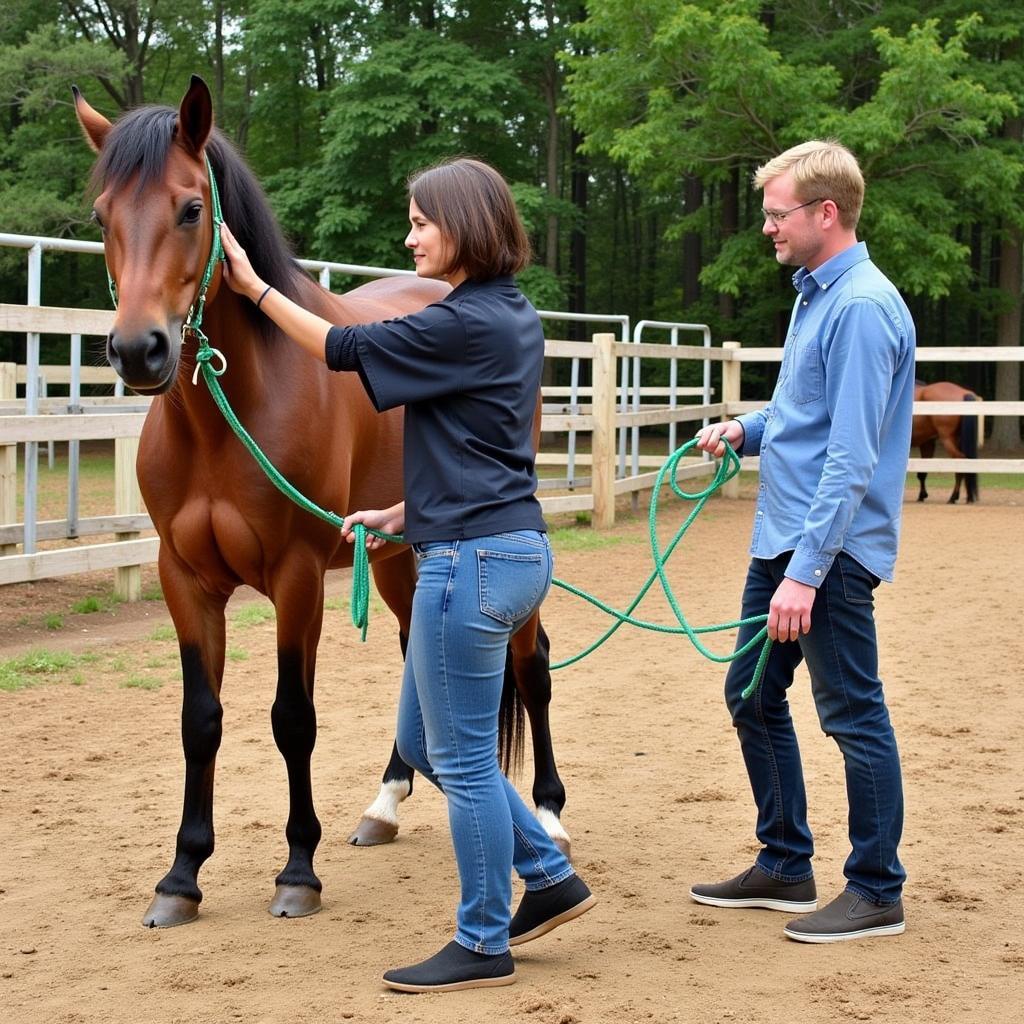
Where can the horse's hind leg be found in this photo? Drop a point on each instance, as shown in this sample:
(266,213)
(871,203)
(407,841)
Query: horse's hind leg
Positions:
(298,593)
(199,620)
(530,661)
(396,582)
(927,451)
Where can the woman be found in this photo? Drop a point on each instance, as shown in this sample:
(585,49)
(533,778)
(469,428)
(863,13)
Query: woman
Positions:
(467,369)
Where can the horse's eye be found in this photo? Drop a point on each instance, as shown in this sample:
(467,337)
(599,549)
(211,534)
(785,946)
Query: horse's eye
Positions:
(192,214)
(95,218)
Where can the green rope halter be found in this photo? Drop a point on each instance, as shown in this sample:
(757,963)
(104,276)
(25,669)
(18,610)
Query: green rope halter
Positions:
(727,468)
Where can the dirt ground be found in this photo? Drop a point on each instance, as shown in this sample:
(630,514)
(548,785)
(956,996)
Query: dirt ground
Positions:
(90,790)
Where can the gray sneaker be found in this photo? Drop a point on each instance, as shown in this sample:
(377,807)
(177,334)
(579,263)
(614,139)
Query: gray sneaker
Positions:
(848,916)
(754,888)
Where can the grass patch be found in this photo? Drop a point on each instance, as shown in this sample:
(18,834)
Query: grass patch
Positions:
(986,481)
(253,615)
(153,593)
(237,654)
(163,633)
(569,538)
(142,683)
(34,667)
(95,603)
(54,621)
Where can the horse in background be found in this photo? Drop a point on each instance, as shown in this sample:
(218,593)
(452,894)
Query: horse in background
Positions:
(961,436)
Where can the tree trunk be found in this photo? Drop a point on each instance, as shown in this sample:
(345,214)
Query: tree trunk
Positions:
(578,239)
(551,101)
(218,59)
(1006,429)
(729,222)
(693,197)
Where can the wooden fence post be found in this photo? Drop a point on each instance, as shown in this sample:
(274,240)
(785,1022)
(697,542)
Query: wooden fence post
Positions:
(603,437)
(730,393)
(127,501)
(8,460)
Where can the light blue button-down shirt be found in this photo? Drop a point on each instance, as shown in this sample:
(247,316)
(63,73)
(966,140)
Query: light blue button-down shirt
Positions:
(834,439)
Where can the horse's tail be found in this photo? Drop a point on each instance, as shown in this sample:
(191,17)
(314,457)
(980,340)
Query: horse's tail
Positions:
(511,722)
(969,446)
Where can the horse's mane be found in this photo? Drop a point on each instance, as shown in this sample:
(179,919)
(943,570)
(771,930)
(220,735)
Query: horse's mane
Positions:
(139,143)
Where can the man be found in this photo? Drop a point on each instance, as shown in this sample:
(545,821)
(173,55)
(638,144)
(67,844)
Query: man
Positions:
(833,446)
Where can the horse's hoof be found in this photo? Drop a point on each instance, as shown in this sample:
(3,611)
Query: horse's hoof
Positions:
(295,901)
(565,846)
(170,911)
(373,832)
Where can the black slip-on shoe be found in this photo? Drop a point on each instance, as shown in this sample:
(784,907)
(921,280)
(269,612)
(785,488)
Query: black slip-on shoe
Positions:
(542,910)
(454,968)
(753,888)
(848,916)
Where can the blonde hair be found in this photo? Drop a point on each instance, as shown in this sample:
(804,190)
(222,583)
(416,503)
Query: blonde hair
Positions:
(821,170)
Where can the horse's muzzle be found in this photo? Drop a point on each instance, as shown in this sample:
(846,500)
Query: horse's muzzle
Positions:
(145,362)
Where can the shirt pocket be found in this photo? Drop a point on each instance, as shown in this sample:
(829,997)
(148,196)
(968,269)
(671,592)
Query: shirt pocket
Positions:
(806,374)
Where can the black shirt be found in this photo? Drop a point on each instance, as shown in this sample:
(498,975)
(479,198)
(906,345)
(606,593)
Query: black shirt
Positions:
(467,369)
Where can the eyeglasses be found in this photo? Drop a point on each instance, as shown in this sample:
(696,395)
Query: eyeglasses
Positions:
(778,216)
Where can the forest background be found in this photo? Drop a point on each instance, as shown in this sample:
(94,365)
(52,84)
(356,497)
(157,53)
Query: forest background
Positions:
(629,128)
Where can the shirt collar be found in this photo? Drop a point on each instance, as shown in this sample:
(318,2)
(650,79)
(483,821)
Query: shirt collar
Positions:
(470,284)
(831,270)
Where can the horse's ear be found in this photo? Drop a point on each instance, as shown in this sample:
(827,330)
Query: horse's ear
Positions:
(195,116)
(95,126)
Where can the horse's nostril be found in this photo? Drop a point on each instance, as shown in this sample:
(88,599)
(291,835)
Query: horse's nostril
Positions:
(157,351)
(113,352)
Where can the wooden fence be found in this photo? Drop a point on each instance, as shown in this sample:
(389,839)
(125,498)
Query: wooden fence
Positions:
(120,419)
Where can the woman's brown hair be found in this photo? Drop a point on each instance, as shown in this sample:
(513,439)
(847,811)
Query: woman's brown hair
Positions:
(472,205)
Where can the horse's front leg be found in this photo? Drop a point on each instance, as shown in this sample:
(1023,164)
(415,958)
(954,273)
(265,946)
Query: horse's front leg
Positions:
(530,661)
(298,595)
(199,620)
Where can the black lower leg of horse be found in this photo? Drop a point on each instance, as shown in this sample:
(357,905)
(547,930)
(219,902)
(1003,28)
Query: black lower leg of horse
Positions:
(922,494)
(379,822)
(201,715)
(533,681)
(294,721)
(955,496)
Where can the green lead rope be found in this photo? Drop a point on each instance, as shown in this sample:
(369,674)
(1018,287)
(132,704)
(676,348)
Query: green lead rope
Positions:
(727,468)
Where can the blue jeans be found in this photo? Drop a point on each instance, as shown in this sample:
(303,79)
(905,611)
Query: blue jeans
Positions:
(471,596)
(842,657)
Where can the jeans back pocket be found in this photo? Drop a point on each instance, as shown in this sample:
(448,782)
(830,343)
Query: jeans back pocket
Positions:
(511,584)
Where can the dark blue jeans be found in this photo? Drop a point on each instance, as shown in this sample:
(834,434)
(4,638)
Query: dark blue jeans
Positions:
(841,651)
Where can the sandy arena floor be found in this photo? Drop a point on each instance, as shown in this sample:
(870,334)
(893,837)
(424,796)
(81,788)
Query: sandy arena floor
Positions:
(90,790)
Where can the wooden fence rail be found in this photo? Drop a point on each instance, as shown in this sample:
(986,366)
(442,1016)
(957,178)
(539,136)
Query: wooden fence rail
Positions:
(120,419)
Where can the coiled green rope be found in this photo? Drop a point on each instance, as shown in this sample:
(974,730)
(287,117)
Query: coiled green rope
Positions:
(726,469)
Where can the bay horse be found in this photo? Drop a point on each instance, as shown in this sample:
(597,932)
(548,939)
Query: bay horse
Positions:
(960,436)
(221,522)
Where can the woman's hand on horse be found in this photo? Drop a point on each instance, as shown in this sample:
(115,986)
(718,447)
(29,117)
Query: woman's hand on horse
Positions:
(238,270)
(710,438)
(387,520)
